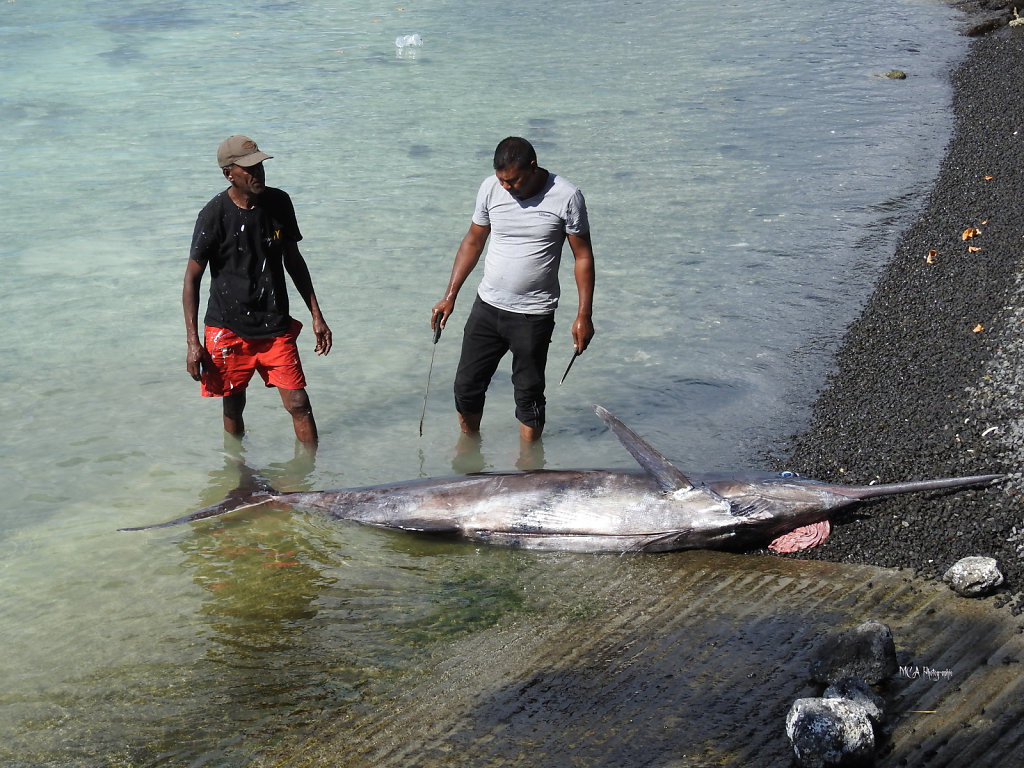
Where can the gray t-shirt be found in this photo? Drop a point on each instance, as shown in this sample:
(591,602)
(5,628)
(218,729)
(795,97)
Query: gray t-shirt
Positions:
(525,244)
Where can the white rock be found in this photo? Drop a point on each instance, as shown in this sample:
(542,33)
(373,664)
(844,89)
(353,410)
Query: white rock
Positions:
(829,732)
(974,576)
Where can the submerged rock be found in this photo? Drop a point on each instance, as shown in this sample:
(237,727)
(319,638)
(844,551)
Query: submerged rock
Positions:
(866,652)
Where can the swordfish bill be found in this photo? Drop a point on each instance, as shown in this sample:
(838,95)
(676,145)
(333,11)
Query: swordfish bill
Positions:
(655,508)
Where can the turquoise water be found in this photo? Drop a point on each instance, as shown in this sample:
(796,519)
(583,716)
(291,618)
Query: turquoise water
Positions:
(746,168)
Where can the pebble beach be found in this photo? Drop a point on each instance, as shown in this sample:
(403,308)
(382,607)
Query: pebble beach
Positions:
(929,380)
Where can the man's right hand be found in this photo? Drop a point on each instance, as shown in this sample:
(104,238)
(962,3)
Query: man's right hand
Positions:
(194,360)
(441,312)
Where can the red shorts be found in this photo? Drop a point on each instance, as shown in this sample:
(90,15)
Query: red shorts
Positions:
(235,360)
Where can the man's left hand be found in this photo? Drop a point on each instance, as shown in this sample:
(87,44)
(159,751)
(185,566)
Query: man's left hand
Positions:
(323,337)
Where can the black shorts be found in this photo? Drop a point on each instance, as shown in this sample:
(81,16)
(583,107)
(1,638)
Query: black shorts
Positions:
(490,333)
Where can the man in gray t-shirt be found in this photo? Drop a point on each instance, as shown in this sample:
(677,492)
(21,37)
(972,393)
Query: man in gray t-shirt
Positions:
(528,213)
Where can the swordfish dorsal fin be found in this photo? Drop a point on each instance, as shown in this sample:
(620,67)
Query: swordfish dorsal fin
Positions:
(656,465)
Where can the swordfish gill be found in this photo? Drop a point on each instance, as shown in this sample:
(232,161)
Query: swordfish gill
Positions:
(654,509)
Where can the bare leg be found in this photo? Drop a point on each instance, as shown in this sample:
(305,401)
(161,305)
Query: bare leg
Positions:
(234,404)
(531,454)
(529,434)
(468,457)
(233,448)
(469,423)
(296,402)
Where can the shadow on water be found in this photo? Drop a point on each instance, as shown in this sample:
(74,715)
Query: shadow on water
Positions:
(293,619)
(300,616)
(318,643)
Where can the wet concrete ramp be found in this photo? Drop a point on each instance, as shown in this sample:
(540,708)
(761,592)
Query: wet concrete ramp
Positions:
(689,660)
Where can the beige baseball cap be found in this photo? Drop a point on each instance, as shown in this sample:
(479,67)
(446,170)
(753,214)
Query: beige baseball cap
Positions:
(240,150)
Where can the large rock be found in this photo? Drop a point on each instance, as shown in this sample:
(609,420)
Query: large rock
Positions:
(866,652)
(974,576)
(830,732)
(861,694)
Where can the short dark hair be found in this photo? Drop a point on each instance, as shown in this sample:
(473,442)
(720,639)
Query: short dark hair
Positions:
(514,152)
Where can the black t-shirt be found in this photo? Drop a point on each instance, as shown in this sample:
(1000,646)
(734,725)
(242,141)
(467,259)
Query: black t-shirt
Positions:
(245,252)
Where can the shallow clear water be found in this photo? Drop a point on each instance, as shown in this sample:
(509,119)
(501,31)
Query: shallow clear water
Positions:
(746,169)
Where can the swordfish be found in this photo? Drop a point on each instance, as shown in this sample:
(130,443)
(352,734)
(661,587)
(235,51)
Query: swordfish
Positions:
(653,509)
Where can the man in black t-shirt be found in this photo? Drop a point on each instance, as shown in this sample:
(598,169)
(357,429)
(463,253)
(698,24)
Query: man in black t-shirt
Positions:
(249,237)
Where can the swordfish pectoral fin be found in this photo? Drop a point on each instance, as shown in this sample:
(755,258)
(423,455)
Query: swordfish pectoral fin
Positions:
(751,507)
(657,466)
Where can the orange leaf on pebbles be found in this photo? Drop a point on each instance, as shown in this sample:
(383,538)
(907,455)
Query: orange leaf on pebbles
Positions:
(970,232)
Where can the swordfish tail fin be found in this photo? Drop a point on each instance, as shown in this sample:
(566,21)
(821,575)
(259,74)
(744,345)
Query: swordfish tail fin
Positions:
(913,486)
(240,498)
